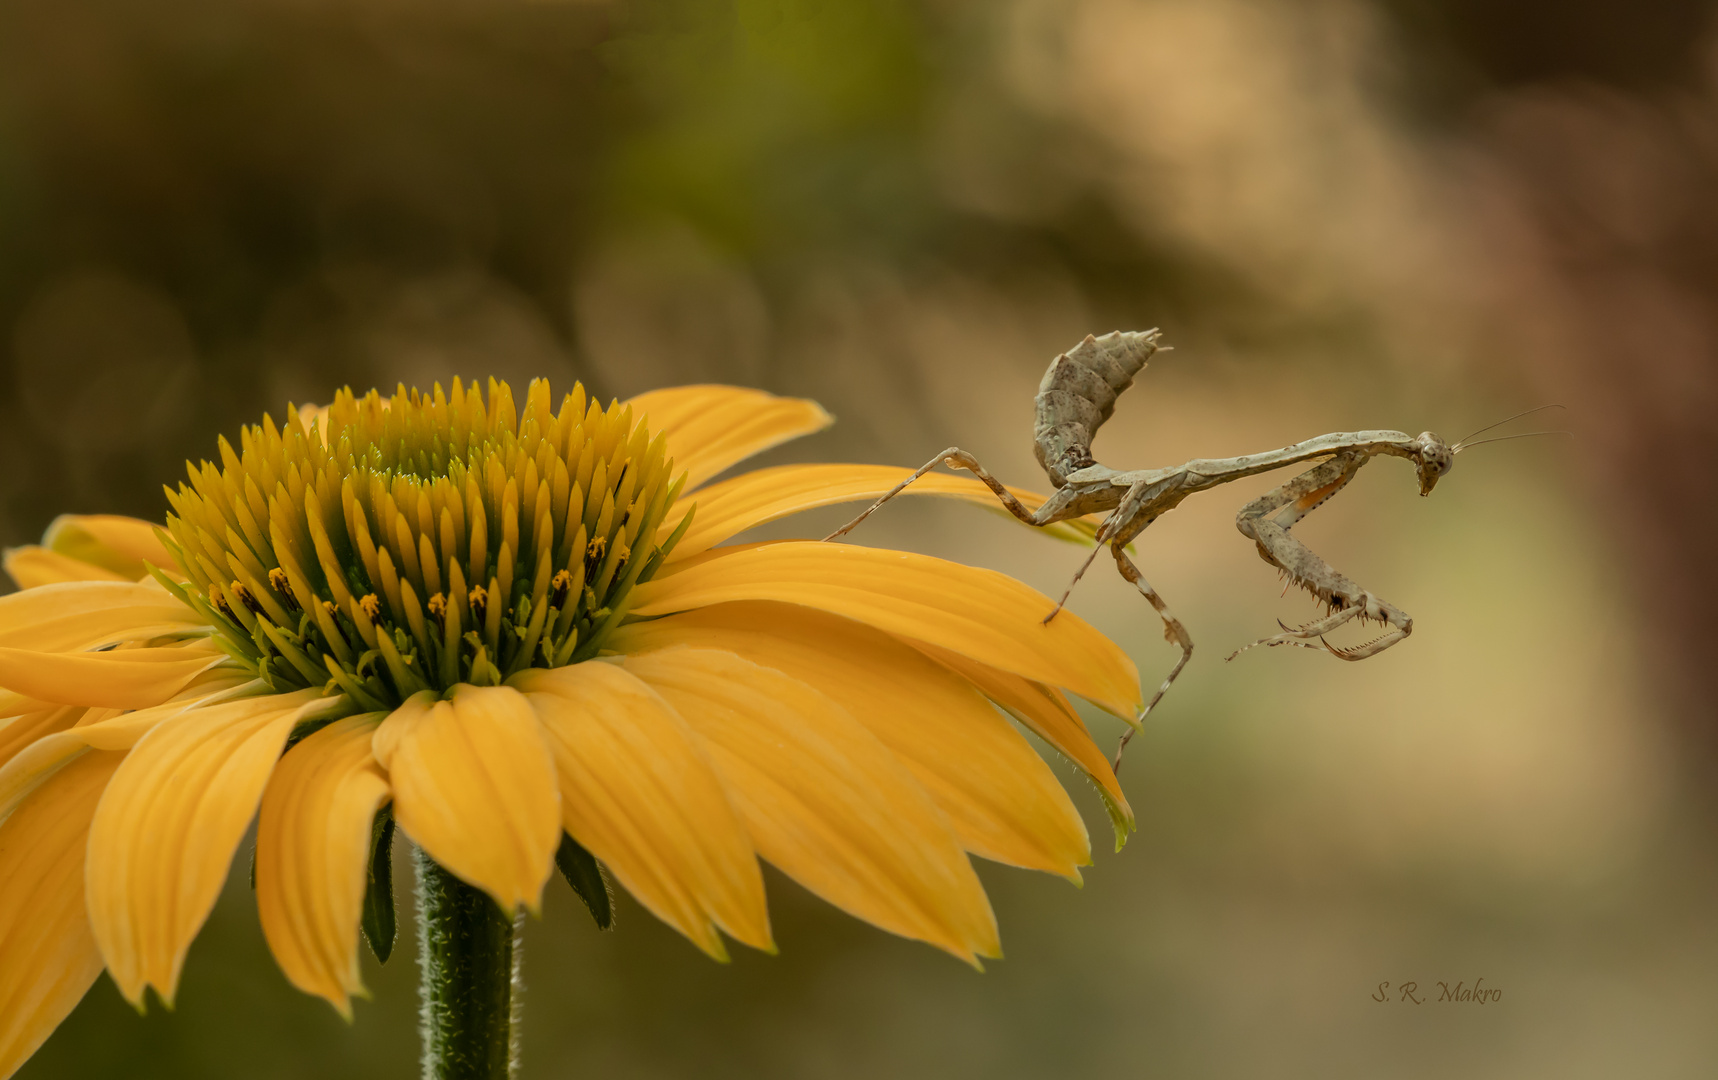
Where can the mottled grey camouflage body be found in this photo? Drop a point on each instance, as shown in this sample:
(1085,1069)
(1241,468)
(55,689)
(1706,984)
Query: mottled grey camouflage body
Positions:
(1078,393)
(1077,396)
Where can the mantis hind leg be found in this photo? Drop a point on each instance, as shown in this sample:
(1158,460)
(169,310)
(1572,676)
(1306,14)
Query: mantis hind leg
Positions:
(1267,520)
(956,458)
(1173,632)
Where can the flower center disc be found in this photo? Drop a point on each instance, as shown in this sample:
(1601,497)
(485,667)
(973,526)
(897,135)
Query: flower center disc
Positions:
(384,546)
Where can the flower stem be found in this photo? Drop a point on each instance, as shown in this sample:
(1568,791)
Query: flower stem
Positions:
(468,971)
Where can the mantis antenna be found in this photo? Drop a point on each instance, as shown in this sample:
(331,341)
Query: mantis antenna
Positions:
(1526,412)
(1459,447)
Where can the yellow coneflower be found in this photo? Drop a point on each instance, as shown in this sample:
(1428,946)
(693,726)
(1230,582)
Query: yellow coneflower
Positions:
(512,633)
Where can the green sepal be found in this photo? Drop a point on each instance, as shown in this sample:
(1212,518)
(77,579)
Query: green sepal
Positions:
(378,922)
(586,876)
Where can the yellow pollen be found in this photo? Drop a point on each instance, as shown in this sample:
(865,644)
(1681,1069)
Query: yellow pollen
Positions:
(560,585)
(280,583)
(372,607)
(244,596)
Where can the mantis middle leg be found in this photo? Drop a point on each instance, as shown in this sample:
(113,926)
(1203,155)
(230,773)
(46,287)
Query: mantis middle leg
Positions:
(1173,632)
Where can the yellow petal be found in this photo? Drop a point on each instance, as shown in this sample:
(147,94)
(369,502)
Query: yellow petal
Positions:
(1002,801)
(121,679)
(33,766)
(313,855)
(711,428)
(474,786)
(113,729)
(24,728)
(978,613)
(638,791)
(111,542)
(47,956)
(732,506)
(78,633)
(33,566)
(1046,713)
(825,801)
(45,603)
(165,832)
(72,616)
(67,733)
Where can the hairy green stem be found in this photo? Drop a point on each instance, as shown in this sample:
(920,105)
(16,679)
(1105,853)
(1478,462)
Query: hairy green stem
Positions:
(468,963)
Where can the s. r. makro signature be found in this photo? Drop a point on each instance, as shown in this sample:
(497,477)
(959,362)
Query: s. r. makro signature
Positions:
(1412,993)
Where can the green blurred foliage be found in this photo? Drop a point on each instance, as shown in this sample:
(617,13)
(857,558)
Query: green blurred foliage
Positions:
(771,126)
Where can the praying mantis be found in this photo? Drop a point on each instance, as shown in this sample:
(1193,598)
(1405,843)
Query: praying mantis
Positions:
(1078,394)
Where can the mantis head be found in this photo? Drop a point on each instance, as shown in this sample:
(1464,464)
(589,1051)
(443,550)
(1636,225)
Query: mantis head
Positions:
(1434,458)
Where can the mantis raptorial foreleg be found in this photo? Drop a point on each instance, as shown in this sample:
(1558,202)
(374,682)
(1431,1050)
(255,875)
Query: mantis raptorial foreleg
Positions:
(1267,521)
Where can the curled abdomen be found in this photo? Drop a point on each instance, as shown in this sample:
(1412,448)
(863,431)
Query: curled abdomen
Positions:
(1079,393)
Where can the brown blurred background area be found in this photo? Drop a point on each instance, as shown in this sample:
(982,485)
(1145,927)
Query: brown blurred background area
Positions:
(1343,213)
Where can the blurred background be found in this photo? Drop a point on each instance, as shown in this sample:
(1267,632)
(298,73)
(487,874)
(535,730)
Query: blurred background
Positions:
(1344,214)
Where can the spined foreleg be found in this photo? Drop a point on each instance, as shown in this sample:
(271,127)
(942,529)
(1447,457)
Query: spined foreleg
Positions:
(1267,520)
